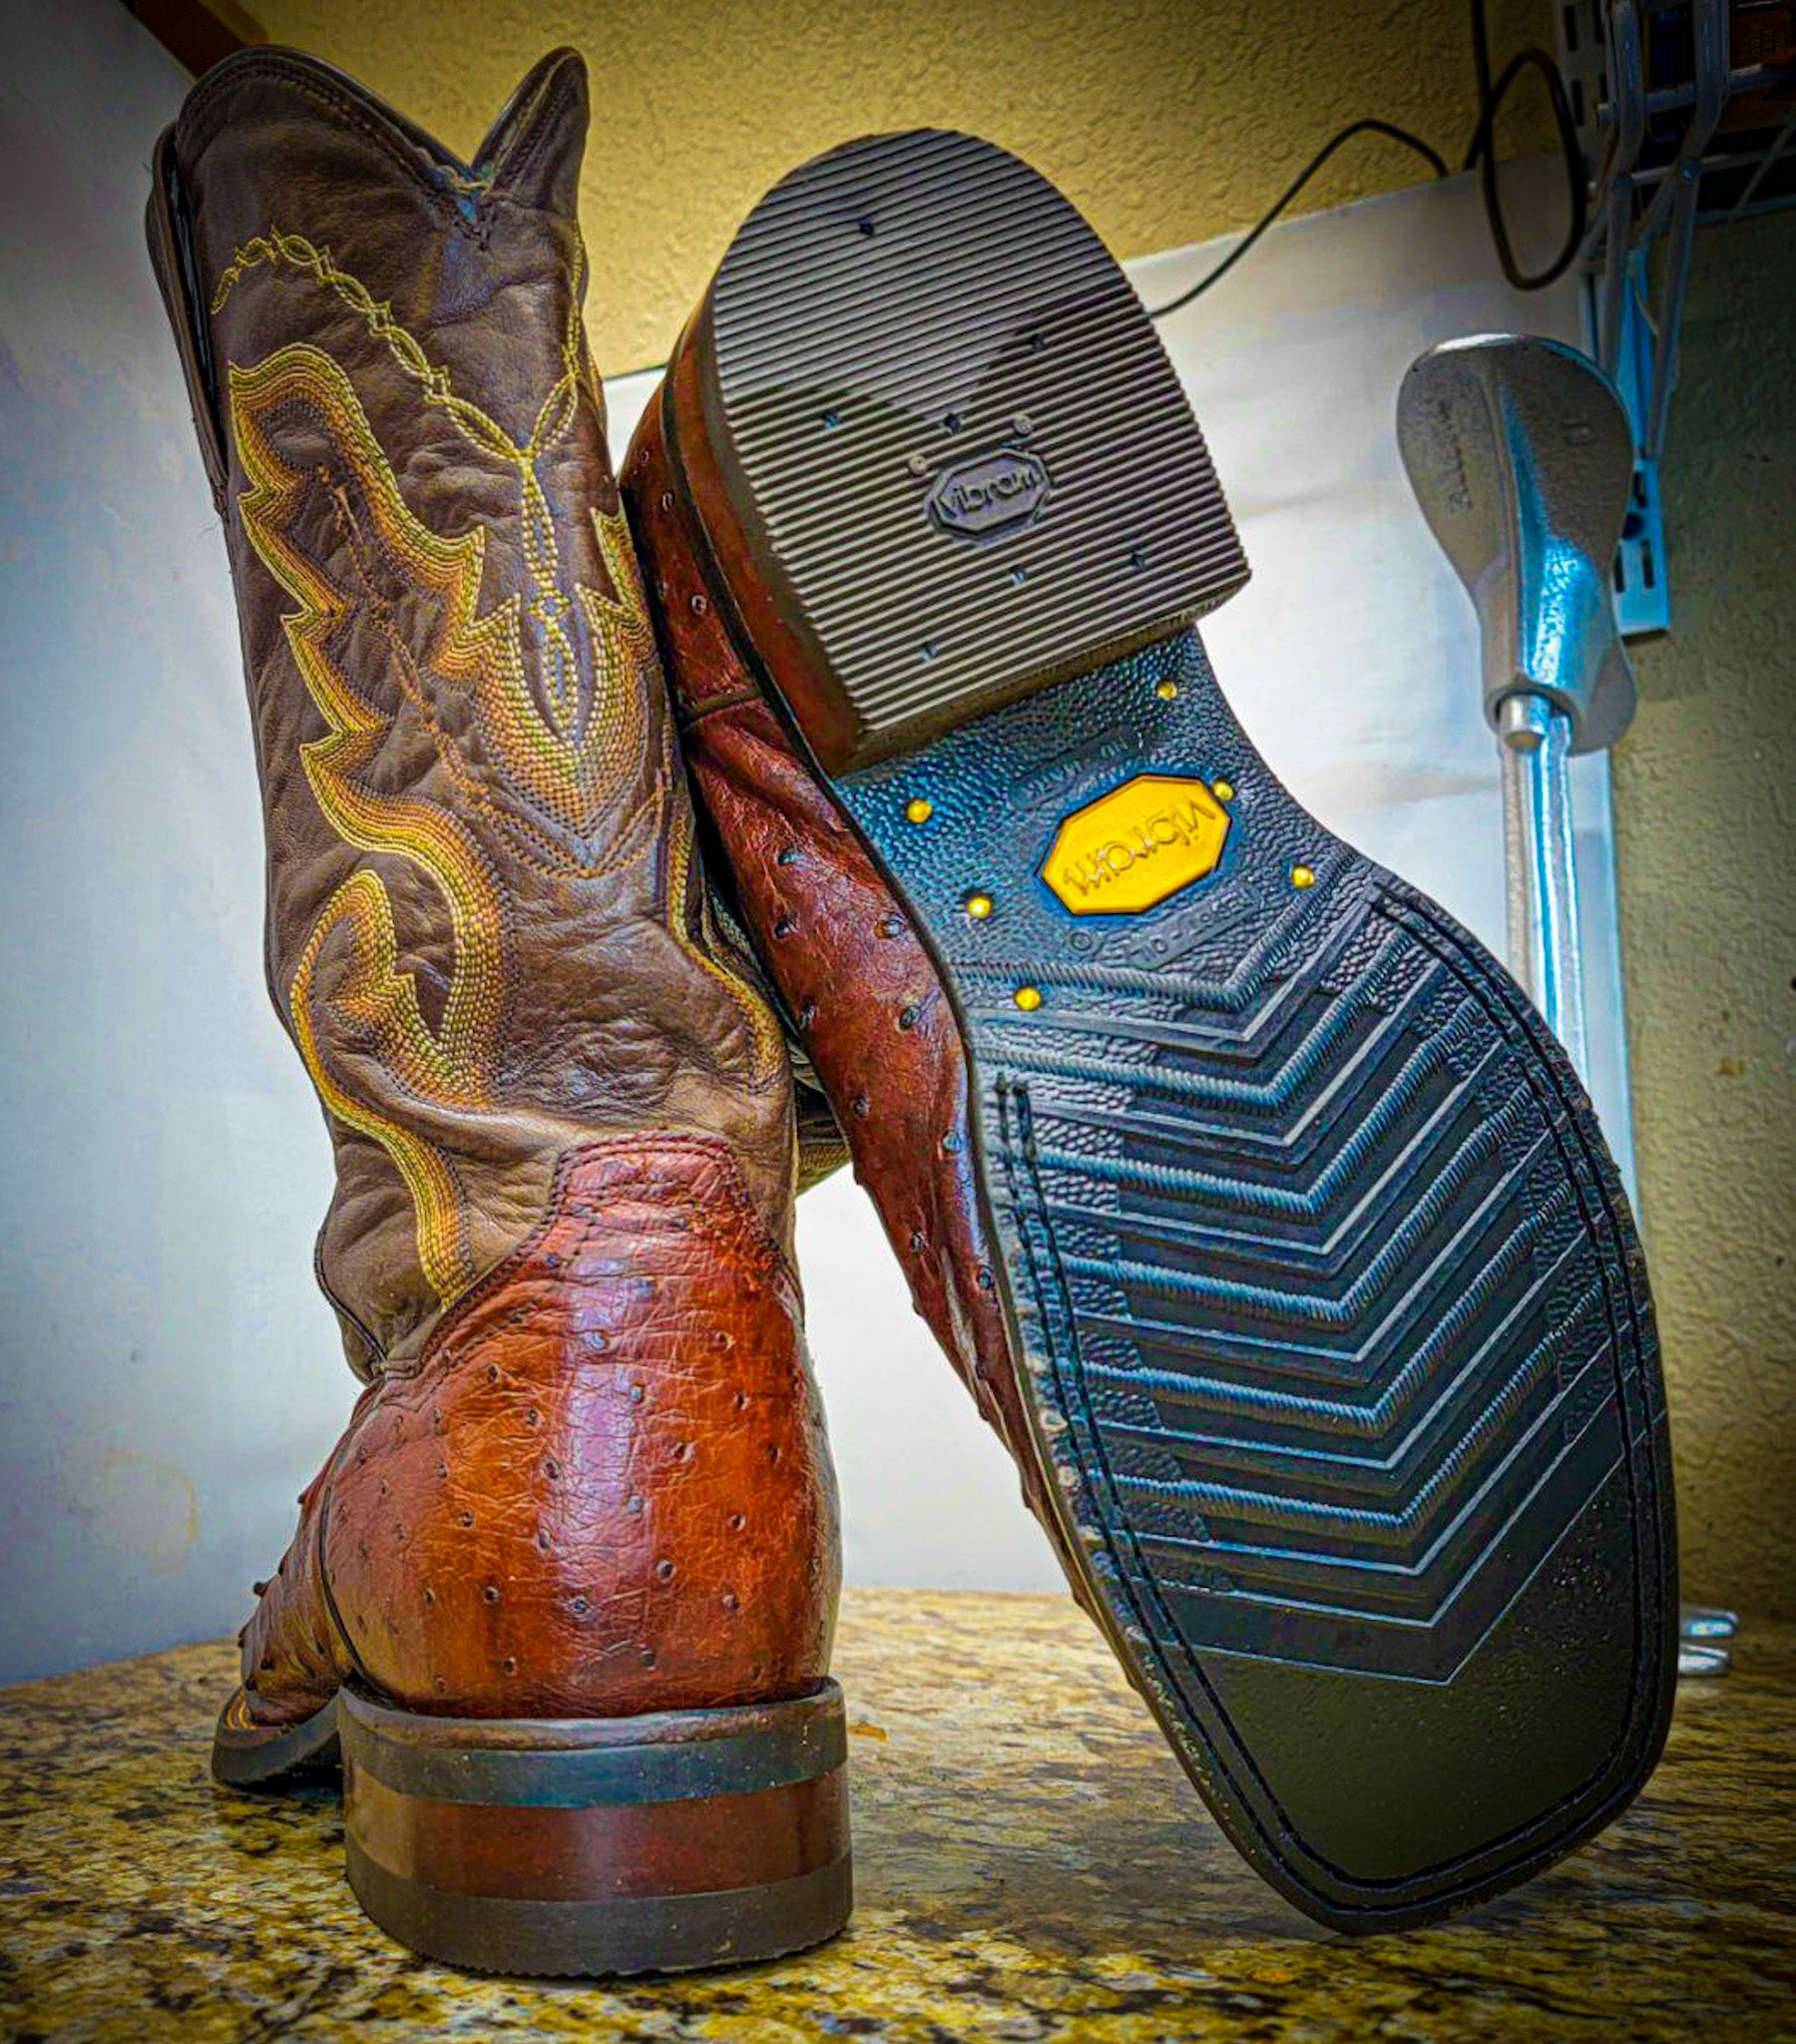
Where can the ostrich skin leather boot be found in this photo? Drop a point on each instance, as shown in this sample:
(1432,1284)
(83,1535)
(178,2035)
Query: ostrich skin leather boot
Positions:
(1260,1213)
(562,1600)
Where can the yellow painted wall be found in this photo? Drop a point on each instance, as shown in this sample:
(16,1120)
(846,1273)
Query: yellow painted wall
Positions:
(1167,120)
(1170,122)
(1705,814)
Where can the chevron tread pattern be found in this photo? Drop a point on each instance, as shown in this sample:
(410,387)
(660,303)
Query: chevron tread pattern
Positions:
(1328,1289)
(1360,1371)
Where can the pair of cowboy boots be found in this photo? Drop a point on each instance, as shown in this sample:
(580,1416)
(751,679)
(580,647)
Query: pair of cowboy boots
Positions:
(1257,1209)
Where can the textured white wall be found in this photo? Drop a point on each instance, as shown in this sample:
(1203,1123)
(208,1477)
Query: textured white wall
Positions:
(167,1376)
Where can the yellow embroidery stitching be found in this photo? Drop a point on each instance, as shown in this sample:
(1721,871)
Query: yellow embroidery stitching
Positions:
(567,758)
(628,632)
(376,993)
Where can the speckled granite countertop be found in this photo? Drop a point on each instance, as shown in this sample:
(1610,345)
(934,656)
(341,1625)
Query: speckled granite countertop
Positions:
(1031,1866)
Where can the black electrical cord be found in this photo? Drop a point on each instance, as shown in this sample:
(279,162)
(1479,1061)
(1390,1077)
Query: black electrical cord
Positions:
(1483,153)
(1213,277)
(1480,153)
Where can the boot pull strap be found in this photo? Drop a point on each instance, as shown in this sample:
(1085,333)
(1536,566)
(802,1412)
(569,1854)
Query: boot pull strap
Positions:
(172,258)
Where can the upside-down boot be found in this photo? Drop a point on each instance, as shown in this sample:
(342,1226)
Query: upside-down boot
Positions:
(1260,1212)
(562,1599)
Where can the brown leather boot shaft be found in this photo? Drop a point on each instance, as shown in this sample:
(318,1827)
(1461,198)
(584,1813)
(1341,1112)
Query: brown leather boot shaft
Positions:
(482,899)
(589,1477)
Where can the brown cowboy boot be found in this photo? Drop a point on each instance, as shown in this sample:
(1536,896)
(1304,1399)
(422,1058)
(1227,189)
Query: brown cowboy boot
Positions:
(1262,1216)
(564,1594)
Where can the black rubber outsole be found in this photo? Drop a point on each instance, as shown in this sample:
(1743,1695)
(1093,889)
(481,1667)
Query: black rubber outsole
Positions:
(1323,1286)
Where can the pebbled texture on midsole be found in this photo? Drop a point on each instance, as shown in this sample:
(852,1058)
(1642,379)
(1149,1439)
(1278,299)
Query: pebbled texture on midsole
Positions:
(1334,1317)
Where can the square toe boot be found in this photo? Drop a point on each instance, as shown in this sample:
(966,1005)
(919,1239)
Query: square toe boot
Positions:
(1257,1205)
(561,1602)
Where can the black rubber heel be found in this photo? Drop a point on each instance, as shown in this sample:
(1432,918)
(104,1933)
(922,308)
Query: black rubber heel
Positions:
(964,462)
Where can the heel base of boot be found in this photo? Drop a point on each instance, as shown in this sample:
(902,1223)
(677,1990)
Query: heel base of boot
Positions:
(589,1848)
(952,443)
(609,1937)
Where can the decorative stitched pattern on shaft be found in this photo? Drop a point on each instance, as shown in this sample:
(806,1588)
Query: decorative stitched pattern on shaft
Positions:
(534,755)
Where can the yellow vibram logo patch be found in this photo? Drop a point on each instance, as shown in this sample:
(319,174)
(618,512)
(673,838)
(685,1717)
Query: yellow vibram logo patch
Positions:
(1137,845)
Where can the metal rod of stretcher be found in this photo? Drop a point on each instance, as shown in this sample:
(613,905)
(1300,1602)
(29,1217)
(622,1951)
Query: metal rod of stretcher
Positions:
(1521,455)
